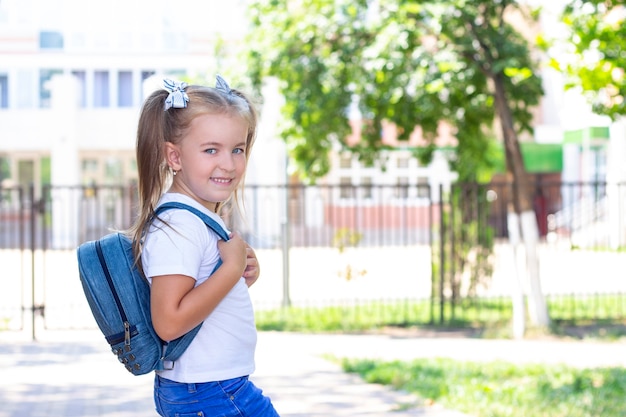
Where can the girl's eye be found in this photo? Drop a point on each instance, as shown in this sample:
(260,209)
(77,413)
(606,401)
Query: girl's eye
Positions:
(238,150)
(211,151)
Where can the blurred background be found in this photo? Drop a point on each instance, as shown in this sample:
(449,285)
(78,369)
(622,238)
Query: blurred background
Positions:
(397,142)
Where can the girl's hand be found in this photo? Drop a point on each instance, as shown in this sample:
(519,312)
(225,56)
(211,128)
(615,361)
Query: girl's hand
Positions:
(253,270)
(233,254)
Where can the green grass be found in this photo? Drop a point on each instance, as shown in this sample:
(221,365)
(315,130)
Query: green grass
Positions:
(598,316)
(344,318)
(500,389)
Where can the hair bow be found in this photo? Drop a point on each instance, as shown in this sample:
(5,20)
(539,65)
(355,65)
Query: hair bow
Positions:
(177,97)
(222,85)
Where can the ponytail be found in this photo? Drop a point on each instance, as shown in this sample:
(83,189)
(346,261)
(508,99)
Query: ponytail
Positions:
(153,172)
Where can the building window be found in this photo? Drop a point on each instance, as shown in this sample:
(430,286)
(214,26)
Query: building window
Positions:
(113,170)
(4,92)
(50,40)
(144,76)
(82,88)
(366,187)
(90,176)
(346,189)
(25,172)
(402,187)
(402,162)
(345,162)
(90,166)
(101,89)
(45,95)
(125,89)
(423,190)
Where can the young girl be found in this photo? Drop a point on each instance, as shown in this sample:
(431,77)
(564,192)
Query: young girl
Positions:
(197,141)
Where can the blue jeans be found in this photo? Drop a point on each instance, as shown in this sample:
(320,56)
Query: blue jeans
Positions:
(234,397)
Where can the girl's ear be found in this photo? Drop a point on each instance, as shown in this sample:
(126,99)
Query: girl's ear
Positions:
(172,156)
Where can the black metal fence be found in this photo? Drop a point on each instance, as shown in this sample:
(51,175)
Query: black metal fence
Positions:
(318,243)
(588,215)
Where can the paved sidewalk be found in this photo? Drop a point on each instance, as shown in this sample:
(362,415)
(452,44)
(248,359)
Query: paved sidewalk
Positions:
(73,374)
(292,370)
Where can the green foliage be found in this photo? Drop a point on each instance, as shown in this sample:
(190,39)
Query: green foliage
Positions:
(410,63)
(465,246)
(348,238)
(345,237)
(596,63)
(498,389)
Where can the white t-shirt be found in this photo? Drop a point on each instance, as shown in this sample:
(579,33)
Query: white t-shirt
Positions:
(224,347)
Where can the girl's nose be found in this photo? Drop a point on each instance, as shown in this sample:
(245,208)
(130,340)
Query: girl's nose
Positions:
(227,162)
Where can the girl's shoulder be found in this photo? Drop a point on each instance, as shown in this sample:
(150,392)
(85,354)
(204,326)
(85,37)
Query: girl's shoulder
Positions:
(188,201)
(180,222)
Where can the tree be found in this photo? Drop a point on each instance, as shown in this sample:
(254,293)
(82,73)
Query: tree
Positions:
(411,63)
(597,60)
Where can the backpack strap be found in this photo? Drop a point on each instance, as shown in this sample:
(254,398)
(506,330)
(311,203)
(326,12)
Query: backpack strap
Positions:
(211,223)
(173,349)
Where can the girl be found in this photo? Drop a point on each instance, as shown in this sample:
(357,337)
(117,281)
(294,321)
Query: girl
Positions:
(198,140)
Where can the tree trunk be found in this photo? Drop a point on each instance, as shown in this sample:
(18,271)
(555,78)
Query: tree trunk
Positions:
(522,206)
(517,292)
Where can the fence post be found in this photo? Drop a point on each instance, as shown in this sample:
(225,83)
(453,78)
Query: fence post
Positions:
(33,223)
(285,248)
(442,255)
(431,229)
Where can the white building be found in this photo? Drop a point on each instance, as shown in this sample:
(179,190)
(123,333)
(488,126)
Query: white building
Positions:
(72,79)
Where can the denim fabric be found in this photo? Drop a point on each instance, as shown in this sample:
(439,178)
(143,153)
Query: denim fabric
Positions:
(233,397)
(119,298)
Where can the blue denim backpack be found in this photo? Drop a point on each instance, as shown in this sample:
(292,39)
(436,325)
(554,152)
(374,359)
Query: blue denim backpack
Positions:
(119,298)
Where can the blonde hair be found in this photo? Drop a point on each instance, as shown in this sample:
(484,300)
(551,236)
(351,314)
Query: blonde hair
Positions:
(157,126)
